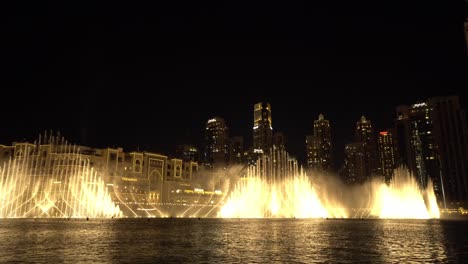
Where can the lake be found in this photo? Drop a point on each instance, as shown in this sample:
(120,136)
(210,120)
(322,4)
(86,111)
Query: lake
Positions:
(192,240)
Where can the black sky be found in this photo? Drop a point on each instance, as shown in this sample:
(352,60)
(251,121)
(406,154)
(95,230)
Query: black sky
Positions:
(149,75)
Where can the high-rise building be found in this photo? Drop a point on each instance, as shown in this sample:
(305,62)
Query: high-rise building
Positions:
(405,156)
(365,134)
(364,131)
(262,128)
(423,145)
(416,144)
(216,143)
(355,170)
(451,138)
(236,150)
(386,154)
(319,146)
(437,135)
(312,151)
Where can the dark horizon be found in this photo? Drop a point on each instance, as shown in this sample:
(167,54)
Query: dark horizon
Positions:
(148,76)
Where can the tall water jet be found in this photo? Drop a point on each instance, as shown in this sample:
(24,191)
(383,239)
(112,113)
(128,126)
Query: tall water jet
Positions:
(277,187)
(403,198)
(64,185)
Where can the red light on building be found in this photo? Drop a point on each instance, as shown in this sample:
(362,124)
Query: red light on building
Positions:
(383,133)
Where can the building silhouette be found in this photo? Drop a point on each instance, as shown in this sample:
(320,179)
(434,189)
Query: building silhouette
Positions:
(262,128)
(405,153)
(451,137)
(319,146)
(216,152)
(432,140)
(361,156)
(355,170)
(386,154)
(417,149)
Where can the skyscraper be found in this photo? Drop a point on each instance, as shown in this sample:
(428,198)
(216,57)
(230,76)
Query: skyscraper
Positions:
(437,134)
(355,170)
(364,131)
(423,145)
(319,146)
(216,143)
(365,134)
(405,156)
(312,151)
(262,129)
(451,139)
(386,154)
(360,156)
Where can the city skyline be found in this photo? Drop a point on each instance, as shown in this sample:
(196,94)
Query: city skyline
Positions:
(342,131)
(149,77)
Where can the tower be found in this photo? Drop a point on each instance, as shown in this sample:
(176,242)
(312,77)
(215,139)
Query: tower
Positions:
(262,129)
(423,144)
(405,156)
(319,146)
(386,154)
(451,138)
(216,152)
(365,134)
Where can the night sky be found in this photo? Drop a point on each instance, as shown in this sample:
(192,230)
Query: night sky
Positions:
(149,76)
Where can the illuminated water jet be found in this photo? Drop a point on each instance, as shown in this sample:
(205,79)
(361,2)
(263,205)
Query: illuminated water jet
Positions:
(62,183)
(65,185)
(277,187)
(404,199)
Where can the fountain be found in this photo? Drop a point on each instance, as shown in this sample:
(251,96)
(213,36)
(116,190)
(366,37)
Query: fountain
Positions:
(51,178)
(61,185)
(276,188)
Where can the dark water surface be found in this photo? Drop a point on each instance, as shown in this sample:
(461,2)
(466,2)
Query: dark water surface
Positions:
(232,240)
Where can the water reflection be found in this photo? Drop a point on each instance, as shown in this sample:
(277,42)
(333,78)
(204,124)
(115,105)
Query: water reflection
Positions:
(232,240)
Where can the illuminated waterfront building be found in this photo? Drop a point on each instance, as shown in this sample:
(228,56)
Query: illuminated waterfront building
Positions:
(262,128)
(216,143)
(416,144)
(437,150)
(386,154)
(132,179)
(423,142)
(319,146)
